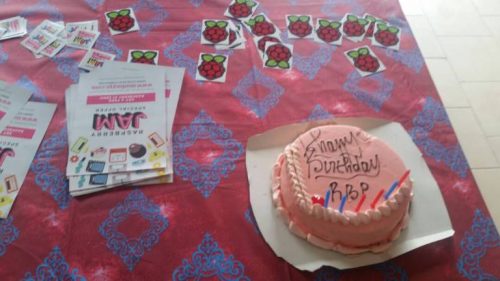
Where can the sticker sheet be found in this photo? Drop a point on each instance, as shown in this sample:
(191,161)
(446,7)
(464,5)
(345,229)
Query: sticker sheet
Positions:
(212,68)
(278,56)
(299,26)
(354,27)
(83,39)
(328,31)
(241,9)
(215,32)
(121,21)
(94,59)
(19,142)
(365,61)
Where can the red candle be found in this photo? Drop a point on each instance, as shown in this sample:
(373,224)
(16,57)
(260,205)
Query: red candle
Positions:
(374,202)
(360,203)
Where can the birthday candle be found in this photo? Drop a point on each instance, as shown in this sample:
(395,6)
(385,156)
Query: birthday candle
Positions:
(327,198)
(391,189)
(342,203)
(403,178)
(360,203)
(374,202)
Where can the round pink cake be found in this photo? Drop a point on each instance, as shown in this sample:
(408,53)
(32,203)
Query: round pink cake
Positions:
(343,161)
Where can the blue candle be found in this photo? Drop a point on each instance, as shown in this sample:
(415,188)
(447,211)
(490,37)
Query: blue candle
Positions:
(342,203)
(327,198)
(391,189)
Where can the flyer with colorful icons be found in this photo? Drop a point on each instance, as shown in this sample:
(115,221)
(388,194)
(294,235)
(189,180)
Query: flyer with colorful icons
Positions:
(12,99)
(119,124)
(19,142)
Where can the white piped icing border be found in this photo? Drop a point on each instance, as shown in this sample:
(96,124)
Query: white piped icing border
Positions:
(329,214)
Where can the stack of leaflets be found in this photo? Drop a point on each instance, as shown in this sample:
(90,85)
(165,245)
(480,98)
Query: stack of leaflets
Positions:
(120,120)
(12,28)
(22,127)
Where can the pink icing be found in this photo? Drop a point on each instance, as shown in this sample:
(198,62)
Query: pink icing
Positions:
(349,162)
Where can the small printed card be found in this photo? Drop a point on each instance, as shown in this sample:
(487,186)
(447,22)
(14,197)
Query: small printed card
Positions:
(54,48)
(260,43)
(365,61)
(354,27)
(329,32)
(13,27)
(236,38)
(241,9)
(143,56)
(387,36)
(261,25)
(50,27)
(372,20)
(71,27)
(19,142)
(299,26)
(83,39)
(38,40)
(121,21)
(215,32)
(278,55)
(212,67)
(94,59)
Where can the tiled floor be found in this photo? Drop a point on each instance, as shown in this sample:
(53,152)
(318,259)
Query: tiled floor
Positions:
(460,40)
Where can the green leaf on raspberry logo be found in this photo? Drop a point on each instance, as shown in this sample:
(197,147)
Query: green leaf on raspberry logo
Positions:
(207,57)
(324,23)
(370,18)
(219,59)
(363,51)
(304,18)
(382,26)
(271,63)
(124,12)
(112,15)
(260,18)
(362,21)
(150,55)
(353,54)
(251,3)
(393,29)
(293,18)
(335,25)
(210,23)
(222,24)
(137,54)
(250,22)
(284,64)
(352,18)
(240,1)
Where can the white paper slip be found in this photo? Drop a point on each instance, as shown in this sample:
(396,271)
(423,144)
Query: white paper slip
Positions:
(71,27)
(18,145)
(13,27)
(123,113)
(12,99)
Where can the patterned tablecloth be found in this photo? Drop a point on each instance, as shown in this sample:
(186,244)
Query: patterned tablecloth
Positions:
(201,227)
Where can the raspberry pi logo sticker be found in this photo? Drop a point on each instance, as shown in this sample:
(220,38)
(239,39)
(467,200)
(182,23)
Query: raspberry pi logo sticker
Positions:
(211,67)
(278,55)
(354,28)
(328,32)
(262,26)
(241,9)
(121,21)
(299,26)
(386,36)
(143,56)
(215,32)
(365,61)
(372,21)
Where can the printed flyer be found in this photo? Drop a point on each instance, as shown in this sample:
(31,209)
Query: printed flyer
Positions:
(12,99)
(120,125)
(19,142)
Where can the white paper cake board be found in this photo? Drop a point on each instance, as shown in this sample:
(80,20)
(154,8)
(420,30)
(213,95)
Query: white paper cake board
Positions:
(429,220)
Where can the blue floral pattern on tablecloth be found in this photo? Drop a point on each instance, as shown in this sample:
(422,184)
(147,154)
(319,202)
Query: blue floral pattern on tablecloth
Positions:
(327,273)
(196,3)
(263,105)
(330,5)
(205,177)
(179,44)
(319,113)
(94,3)
(433,113)
(250,218)
(311,65)
(476,242)
(8,234)
(48,177)
(106,43)
(374,99)
(42,7)
(392,271)
(54,267)
(26,83)
(3,55)
(131,249)
(160,14)
(210,261)
(67,65)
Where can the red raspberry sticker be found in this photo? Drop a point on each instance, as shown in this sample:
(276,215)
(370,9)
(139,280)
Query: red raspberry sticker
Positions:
(354,27)
(299,26)
(121,21)
(241,9)
(278,55)
(260,26)
(386,36)
(365,61)
(328,31)
(372,21)
(261,43)
(212,67)
(147,57)
(215,32)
